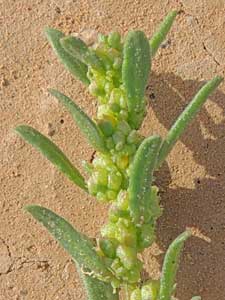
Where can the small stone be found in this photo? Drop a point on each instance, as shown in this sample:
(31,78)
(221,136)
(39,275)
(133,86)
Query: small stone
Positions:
(5,259)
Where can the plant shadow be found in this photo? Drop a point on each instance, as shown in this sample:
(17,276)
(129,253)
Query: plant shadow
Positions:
(202,270)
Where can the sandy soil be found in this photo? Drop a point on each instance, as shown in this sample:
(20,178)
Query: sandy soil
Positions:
(32,265)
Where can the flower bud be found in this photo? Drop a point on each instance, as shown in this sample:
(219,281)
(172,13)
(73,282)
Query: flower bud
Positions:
(108,247)
(100,177)
(126,234)
(150,290)
(133,137)
(115,96)
(114,181)
(106,127)
(118,137)
(102,38)
(95,90)
(122,200)
(124,127)
(127,256)
(122,161)
(115,107)
(136,295)
(123,114)
(101,197)
(92,187)
(110,143)
(111,195)
(114,40)
(108,87)
(117,63)
(146,236)
(109,230)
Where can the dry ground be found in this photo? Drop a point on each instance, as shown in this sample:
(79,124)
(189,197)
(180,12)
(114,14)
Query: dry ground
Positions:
(32,265)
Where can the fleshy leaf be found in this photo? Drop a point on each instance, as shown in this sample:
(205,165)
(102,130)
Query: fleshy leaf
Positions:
(77,48)
(186,117)
(96,289)
(75,66)
(86,125)
(52,153)
(135,72)
(141,178)
(160,35)
(76,244)
(170,266)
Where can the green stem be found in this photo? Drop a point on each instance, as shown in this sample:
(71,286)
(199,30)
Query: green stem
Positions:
(186,117)
(159,36)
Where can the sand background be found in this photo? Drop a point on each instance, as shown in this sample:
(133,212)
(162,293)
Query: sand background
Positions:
(32,265)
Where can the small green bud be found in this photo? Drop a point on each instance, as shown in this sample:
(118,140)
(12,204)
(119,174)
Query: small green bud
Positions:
(127,255)
(123,102)
(102,38)
(100,177)
(114,40)
(126,234)
(115,213)
(101,197)
(124,127)
(92,187)
(115,107)
(95,90)
(106,127)
(115,283)
(87,167)
(117,63)
(119,146)
(107,61)
(109,230)
(108,87)
(123,114)
(115,96)
(136,295)
(114,181)
(108,247)
(133,276)
(111,195)
(133,137)
(122,200)
(150,290)
(146,236)
(129,149)
(110,143)
(118,137)
(122,161)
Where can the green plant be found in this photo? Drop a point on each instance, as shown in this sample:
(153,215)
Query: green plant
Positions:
(116,71)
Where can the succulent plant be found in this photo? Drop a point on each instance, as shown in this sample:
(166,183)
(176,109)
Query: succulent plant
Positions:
(116,72)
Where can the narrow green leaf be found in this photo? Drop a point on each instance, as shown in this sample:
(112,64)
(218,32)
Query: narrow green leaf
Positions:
(170,266)
(141,178)
(73,65)
(76,244)
(196,298)
(96,289)
(135,72)
(159,36)
(78,49)
(52,153)
(86,125)
(186,117)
